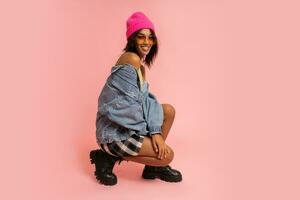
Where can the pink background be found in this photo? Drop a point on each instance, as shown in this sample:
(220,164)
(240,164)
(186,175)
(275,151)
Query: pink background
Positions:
(230,69)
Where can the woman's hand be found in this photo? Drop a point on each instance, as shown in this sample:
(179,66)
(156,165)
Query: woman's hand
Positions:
(160,146)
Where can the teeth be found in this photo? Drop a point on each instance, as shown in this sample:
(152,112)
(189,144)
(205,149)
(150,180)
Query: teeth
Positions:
(145,48)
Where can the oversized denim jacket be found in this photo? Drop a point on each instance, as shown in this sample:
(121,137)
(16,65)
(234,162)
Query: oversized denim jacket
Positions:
(125,109)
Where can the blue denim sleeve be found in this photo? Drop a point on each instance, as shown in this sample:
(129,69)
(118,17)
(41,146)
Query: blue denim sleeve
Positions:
(119,100)
(153,114)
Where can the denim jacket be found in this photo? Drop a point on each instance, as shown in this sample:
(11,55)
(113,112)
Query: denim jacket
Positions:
(125,109)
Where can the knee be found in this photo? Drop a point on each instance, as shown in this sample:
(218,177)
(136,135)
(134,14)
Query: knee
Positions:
(169,110)
(169,158)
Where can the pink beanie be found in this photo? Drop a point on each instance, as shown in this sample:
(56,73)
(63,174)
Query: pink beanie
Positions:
(137,21)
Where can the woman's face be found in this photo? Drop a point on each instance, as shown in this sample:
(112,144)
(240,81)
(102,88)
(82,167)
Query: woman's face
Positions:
(144,41)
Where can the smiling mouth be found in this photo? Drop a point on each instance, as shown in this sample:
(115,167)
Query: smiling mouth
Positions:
(145,48)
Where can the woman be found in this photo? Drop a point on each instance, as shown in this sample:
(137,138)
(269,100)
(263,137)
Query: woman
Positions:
(131,124)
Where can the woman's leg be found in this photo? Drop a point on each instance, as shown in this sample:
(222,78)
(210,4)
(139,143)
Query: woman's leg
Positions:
(147,154)
(169,116)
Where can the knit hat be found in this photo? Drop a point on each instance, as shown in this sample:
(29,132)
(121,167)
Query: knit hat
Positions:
(137,21)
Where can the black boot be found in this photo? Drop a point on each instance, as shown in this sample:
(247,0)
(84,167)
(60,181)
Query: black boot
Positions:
(104,164)
(164,173)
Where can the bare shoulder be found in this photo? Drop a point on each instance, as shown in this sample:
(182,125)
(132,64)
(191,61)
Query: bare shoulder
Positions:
(130,58)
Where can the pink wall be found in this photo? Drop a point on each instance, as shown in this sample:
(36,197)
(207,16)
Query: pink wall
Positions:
(230,69)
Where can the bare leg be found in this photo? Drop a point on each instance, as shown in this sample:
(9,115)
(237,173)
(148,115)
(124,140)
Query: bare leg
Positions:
(147,154)
(169,116)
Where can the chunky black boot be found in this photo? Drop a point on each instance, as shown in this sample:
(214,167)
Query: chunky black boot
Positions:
(164,173)
(104,164)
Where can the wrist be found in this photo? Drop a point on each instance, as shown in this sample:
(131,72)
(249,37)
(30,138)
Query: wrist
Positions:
(155,134)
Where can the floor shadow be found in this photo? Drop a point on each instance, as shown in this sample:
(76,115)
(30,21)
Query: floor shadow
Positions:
(129,170)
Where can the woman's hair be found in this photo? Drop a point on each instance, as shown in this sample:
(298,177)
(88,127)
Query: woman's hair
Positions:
(131,47)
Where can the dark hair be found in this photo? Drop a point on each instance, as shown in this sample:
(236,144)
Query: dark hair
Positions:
(131,47)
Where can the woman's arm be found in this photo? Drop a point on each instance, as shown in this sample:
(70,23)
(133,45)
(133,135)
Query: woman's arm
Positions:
(120,100)
(154,114)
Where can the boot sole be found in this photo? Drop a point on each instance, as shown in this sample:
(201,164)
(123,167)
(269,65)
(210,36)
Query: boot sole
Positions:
(163,178)
(93,156)
(106,182)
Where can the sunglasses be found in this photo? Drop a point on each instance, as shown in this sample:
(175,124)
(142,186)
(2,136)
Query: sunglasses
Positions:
(142,38)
